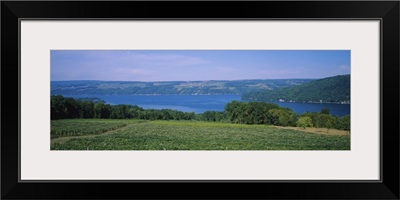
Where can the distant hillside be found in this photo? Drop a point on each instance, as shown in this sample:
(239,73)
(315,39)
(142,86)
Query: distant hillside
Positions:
(169,87)
(333,89)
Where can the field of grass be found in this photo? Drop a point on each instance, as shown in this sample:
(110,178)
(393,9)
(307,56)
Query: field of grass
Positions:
(189,135)
(316,130)
(79,127)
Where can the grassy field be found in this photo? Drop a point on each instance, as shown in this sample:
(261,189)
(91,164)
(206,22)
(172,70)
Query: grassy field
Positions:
(185,135)
(79,127)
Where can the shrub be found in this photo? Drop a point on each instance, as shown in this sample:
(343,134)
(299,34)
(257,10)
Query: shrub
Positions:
(304,122)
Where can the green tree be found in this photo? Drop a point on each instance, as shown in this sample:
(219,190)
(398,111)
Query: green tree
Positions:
(134,111)
(102,110)
(62,108)
(57,107)
(345,123)
(329,125)
(282,117)
(87,109)
(249,113)
(323,120)
(232,109)
(304,122)
(325,111)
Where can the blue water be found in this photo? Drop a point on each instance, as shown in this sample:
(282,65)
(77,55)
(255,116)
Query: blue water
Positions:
(334,109)
(202,103)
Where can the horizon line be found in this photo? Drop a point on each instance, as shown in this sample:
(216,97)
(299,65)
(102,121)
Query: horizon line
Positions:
(195,80)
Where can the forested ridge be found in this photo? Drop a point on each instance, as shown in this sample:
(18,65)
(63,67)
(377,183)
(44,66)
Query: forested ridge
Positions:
(168,87)
(328,90)
(235,112)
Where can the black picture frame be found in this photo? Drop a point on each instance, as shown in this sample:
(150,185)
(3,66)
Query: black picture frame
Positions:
(386,11)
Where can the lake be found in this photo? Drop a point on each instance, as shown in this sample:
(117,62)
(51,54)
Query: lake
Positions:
(202,103)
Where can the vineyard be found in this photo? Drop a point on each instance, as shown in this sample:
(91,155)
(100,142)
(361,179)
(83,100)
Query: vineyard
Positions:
(77,127)
(187,135)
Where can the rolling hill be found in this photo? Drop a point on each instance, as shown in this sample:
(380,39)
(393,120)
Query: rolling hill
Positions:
(237,87)
(327,90)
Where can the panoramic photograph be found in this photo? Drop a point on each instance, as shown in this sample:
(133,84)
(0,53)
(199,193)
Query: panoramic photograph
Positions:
(167,100)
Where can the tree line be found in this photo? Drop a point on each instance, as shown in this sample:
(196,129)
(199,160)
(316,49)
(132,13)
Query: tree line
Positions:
(69,108)
(272,114)
(234,112)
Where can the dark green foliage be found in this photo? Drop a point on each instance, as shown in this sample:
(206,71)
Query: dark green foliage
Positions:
(87,109)
(258,113)
(64,108)
(321,120)
(325,111)
(342,123)
(212,116)
(271,114)
(69,108)
(282,117)
(165,114)
(102,111)
(331,90)
(122,112)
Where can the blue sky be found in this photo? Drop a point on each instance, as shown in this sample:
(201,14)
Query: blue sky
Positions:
(191,65)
